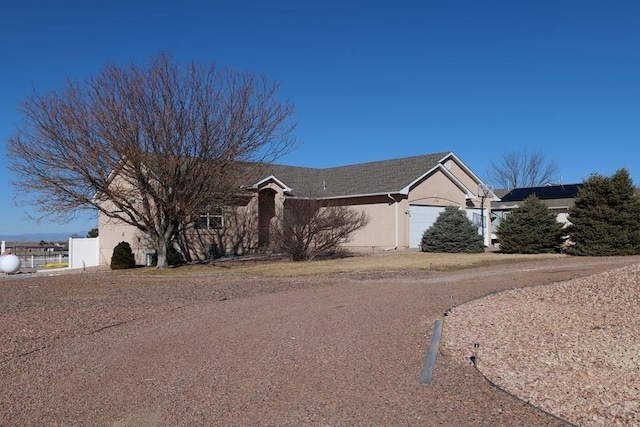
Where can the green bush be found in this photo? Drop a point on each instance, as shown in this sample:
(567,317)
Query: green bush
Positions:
(452,232)
(605,217)
(122,257)
(530,229)
(173,257)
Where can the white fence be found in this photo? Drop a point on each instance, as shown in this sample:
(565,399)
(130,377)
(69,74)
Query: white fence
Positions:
(84,252)
(39,261)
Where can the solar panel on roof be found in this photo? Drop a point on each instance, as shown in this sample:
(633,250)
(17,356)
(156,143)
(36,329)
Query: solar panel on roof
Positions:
(543,193)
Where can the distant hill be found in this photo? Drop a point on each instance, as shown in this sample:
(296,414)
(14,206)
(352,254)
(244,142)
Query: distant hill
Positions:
(47,237)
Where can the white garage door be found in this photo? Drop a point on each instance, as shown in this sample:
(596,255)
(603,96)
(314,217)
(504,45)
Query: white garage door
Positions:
(421,218)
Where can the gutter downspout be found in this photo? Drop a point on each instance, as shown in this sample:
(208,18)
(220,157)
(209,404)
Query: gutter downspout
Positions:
(396,225)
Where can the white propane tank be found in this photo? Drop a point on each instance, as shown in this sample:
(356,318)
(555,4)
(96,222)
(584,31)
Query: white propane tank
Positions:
(9,263)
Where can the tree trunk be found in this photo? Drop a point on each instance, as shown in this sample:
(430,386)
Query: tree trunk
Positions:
(162,254)
(162,245)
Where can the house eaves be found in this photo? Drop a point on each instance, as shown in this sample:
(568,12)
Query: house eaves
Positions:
(441,168)
(375,178)
(559,204)
(462,165)
(504,206)
(271,178)
(469,172)
(440,165)
(350,196)
(380,178)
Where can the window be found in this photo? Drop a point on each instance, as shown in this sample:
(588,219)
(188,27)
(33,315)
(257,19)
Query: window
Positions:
(211,220)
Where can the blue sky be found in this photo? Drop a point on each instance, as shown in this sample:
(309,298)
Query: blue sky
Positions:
(370,80)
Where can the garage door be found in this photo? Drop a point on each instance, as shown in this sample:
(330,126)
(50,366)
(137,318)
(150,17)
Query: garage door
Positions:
(421,218)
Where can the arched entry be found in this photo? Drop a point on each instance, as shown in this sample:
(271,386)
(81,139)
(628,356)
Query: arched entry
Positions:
(266,212)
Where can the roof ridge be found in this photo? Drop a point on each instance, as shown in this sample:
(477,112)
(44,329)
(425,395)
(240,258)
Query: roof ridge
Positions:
(440,154)
(368,178)
(376,162)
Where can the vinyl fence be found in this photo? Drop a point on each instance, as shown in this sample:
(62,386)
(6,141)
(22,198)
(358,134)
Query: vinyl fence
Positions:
(84,252)
(40,261)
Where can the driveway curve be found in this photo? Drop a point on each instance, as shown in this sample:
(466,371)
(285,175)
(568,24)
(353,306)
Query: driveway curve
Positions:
(232,350)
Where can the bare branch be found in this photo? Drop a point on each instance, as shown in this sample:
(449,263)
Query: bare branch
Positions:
(147,144)
(310,229)
(521,169)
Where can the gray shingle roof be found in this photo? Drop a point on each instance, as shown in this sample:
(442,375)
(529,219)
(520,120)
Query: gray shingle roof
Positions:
(382,177)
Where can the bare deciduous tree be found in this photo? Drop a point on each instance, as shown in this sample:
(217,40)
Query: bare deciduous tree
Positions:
(310,229)
(236,234)
(521,169)
(146,145)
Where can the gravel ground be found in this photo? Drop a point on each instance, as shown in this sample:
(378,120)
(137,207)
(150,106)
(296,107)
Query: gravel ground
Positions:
(107,349)
(578,342)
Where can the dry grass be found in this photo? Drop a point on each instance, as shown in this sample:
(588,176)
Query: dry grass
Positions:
(389,261)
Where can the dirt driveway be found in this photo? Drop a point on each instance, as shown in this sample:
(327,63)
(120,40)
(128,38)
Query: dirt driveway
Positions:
(107,349)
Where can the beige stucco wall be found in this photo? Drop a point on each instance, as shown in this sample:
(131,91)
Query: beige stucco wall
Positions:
(388,225)
(112,232)
(460,173)
(437,190)
(388,217)
(242,218)
(380,232)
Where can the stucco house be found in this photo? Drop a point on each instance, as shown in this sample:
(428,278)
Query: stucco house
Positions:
(558,197)
(402,198)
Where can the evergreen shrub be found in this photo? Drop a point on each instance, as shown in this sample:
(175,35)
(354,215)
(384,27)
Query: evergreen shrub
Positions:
(173,257)
(452,232)
(122,257)
(530,229)
(605,217)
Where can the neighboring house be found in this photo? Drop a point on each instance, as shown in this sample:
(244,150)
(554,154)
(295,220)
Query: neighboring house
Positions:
(559,198)
(402,198)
